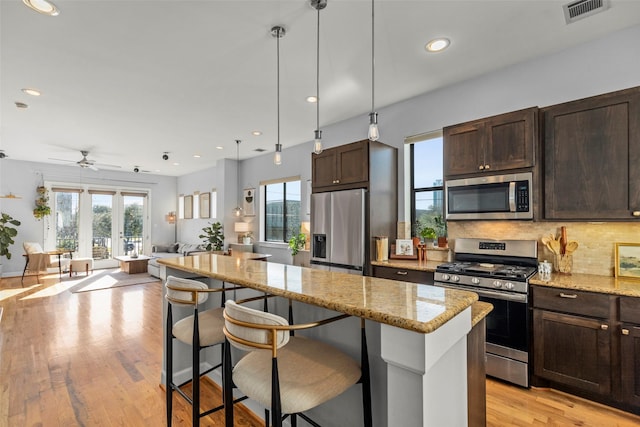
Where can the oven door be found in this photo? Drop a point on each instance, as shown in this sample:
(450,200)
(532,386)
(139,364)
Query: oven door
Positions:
(507,328)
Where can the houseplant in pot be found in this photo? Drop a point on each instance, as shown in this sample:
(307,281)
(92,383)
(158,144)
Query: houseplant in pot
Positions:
(296,244)
(7,233)
(213,237)
(424,230)
(440,226)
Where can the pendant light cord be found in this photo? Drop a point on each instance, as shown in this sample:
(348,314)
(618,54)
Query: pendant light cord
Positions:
(318,74)
(278,78)
(373,61)
(238,171)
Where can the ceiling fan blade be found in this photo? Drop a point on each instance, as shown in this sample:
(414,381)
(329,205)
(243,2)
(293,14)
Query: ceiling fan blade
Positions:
(106,165)
(62,160)
(93,168)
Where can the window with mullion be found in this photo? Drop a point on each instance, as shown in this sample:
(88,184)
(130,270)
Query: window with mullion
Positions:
(282,210)
(427,191)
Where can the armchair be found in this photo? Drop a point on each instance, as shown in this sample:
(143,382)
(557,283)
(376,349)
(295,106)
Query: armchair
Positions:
(37,260)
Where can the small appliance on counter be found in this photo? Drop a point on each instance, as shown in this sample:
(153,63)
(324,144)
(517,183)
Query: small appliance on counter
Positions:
(499,272)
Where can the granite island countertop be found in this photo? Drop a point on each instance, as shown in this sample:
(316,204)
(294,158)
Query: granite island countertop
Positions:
(411,264)
(416,307)
(590,283)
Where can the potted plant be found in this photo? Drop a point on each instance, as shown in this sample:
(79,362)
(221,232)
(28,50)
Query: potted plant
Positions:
(440,226)
(246,238)
(7,233)
(42,208)
(425,231)
(297,243)
(213,237)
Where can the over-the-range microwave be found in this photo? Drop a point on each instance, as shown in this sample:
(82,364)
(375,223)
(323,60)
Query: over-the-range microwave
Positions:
(490,197)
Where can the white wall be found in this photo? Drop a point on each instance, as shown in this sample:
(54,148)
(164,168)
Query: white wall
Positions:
(22,178)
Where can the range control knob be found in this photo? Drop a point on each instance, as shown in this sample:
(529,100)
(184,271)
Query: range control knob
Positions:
(445,277)
(475,280)
(497,284)
(455,278)
(509,285)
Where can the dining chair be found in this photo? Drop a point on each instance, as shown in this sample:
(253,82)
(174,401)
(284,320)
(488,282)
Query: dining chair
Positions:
(200,330)
(288,374)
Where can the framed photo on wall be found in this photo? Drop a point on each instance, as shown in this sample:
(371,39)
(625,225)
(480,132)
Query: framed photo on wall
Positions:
(628,260)
(205,205)
(249,202)
(188,207)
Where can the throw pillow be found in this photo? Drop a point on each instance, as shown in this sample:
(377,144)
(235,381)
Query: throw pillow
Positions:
(173,249)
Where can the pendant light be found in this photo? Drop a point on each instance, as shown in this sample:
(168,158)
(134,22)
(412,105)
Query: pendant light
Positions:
(374,133)
(278,32)
(317,144)
(237,212)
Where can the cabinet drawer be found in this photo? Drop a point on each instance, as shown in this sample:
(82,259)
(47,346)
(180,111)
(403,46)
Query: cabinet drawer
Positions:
(630,310)
(403,274)
(571,301)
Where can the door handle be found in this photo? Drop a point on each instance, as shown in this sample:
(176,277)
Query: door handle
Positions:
(604,327)
(625,332)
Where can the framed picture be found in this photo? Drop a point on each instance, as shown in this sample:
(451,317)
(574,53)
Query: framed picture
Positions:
(205,205)
(188,207)
(404,247)
(249,201)
(628,260)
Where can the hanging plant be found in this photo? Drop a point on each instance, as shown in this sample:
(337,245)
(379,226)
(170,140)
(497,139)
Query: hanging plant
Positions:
(42,208)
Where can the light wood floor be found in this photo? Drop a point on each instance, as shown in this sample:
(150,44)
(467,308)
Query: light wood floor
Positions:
(94,359)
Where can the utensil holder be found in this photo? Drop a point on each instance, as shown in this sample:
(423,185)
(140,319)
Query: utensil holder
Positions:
(564,263)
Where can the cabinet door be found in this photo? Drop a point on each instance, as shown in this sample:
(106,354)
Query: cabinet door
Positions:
(403,274)
(511,140)
(572,350)
(630,346)
(352,163)
(463,148)
(592,157)
(323,168)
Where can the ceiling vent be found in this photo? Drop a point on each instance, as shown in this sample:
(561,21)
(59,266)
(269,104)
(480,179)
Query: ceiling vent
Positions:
(260,150)
(580,9)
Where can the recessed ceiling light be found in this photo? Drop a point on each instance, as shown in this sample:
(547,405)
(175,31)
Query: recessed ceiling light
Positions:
(176,164)
(197,156)
(31,91)
(21,104)
(256,133)
(312,98)
(437,45)
(219,148)
(42,6)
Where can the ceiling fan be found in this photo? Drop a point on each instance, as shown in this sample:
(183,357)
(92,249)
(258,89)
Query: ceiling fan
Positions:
(87,163)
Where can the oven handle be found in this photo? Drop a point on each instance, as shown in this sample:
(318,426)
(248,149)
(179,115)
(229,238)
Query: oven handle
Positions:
(489,294)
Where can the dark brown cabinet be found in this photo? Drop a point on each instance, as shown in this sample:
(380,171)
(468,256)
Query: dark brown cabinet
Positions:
(403,274)
(592,158)
(630,350)
(341,168)
(499,143)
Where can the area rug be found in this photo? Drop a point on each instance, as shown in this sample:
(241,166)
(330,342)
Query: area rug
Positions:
(107,279)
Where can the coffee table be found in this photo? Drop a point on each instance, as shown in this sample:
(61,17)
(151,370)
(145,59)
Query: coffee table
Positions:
(133,265)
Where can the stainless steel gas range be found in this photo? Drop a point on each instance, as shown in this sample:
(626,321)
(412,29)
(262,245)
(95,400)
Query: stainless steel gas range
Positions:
(499,272)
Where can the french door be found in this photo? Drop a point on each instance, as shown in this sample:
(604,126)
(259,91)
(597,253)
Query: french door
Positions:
(100,223)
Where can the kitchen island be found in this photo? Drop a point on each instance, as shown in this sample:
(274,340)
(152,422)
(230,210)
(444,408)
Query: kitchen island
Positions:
(417,335)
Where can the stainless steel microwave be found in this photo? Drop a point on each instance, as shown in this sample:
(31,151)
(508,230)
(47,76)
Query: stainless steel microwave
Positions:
(490,197)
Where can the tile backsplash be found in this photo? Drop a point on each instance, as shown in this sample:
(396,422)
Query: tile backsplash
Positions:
(596,251)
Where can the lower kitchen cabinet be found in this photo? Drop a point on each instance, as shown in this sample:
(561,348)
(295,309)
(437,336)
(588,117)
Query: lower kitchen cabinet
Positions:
(587,344)
(630,350)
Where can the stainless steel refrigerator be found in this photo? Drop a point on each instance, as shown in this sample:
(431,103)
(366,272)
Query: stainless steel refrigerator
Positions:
(338,230)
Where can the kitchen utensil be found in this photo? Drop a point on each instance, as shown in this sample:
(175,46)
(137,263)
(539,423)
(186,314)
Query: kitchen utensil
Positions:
(554,246)
(563,240)
(571,247)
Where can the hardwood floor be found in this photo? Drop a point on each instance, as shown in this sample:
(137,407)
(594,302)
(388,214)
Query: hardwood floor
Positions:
(94,359)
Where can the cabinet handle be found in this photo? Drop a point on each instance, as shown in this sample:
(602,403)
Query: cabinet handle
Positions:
(337,181)
(625,332)
(604,327)
(487,167)
(570,296)
(481,167)
(635,213)
(401,273)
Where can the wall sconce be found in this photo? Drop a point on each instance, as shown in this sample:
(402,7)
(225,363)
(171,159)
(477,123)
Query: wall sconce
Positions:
(242,228)
(171,217)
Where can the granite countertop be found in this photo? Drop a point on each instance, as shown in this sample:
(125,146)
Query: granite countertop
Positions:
(479,311)
(409,264)
(411,306)
(590,283)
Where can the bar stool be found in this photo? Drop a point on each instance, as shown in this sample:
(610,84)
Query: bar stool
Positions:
(200,330)
(297,374)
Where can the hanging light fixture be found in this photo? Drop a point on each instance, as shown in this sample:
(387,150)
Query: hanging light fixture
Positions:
(238,210)
(317,144)
(278,32)
(374,133)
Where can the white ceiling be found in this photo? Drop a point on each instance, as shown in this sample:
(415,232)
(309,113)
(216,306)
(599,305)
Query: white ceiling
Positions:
(128,80)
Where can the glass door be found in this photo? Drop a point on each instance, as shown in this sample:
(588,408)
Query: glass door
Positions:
(102,228)
(133,223)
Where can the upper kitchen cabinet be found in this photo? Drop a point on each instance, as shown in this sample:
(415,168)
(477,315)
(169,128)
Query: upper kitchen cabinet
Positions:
(592,158)
(348,166)
(498,143)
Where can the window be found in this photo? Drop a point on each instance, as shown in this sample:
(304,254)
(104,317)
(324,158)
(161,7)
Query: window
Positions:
(282,210)
(427,199)
(66,208)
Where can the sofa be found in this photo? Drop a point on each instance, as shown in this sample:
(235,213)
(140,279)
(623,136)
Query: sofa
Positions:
(170,250)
